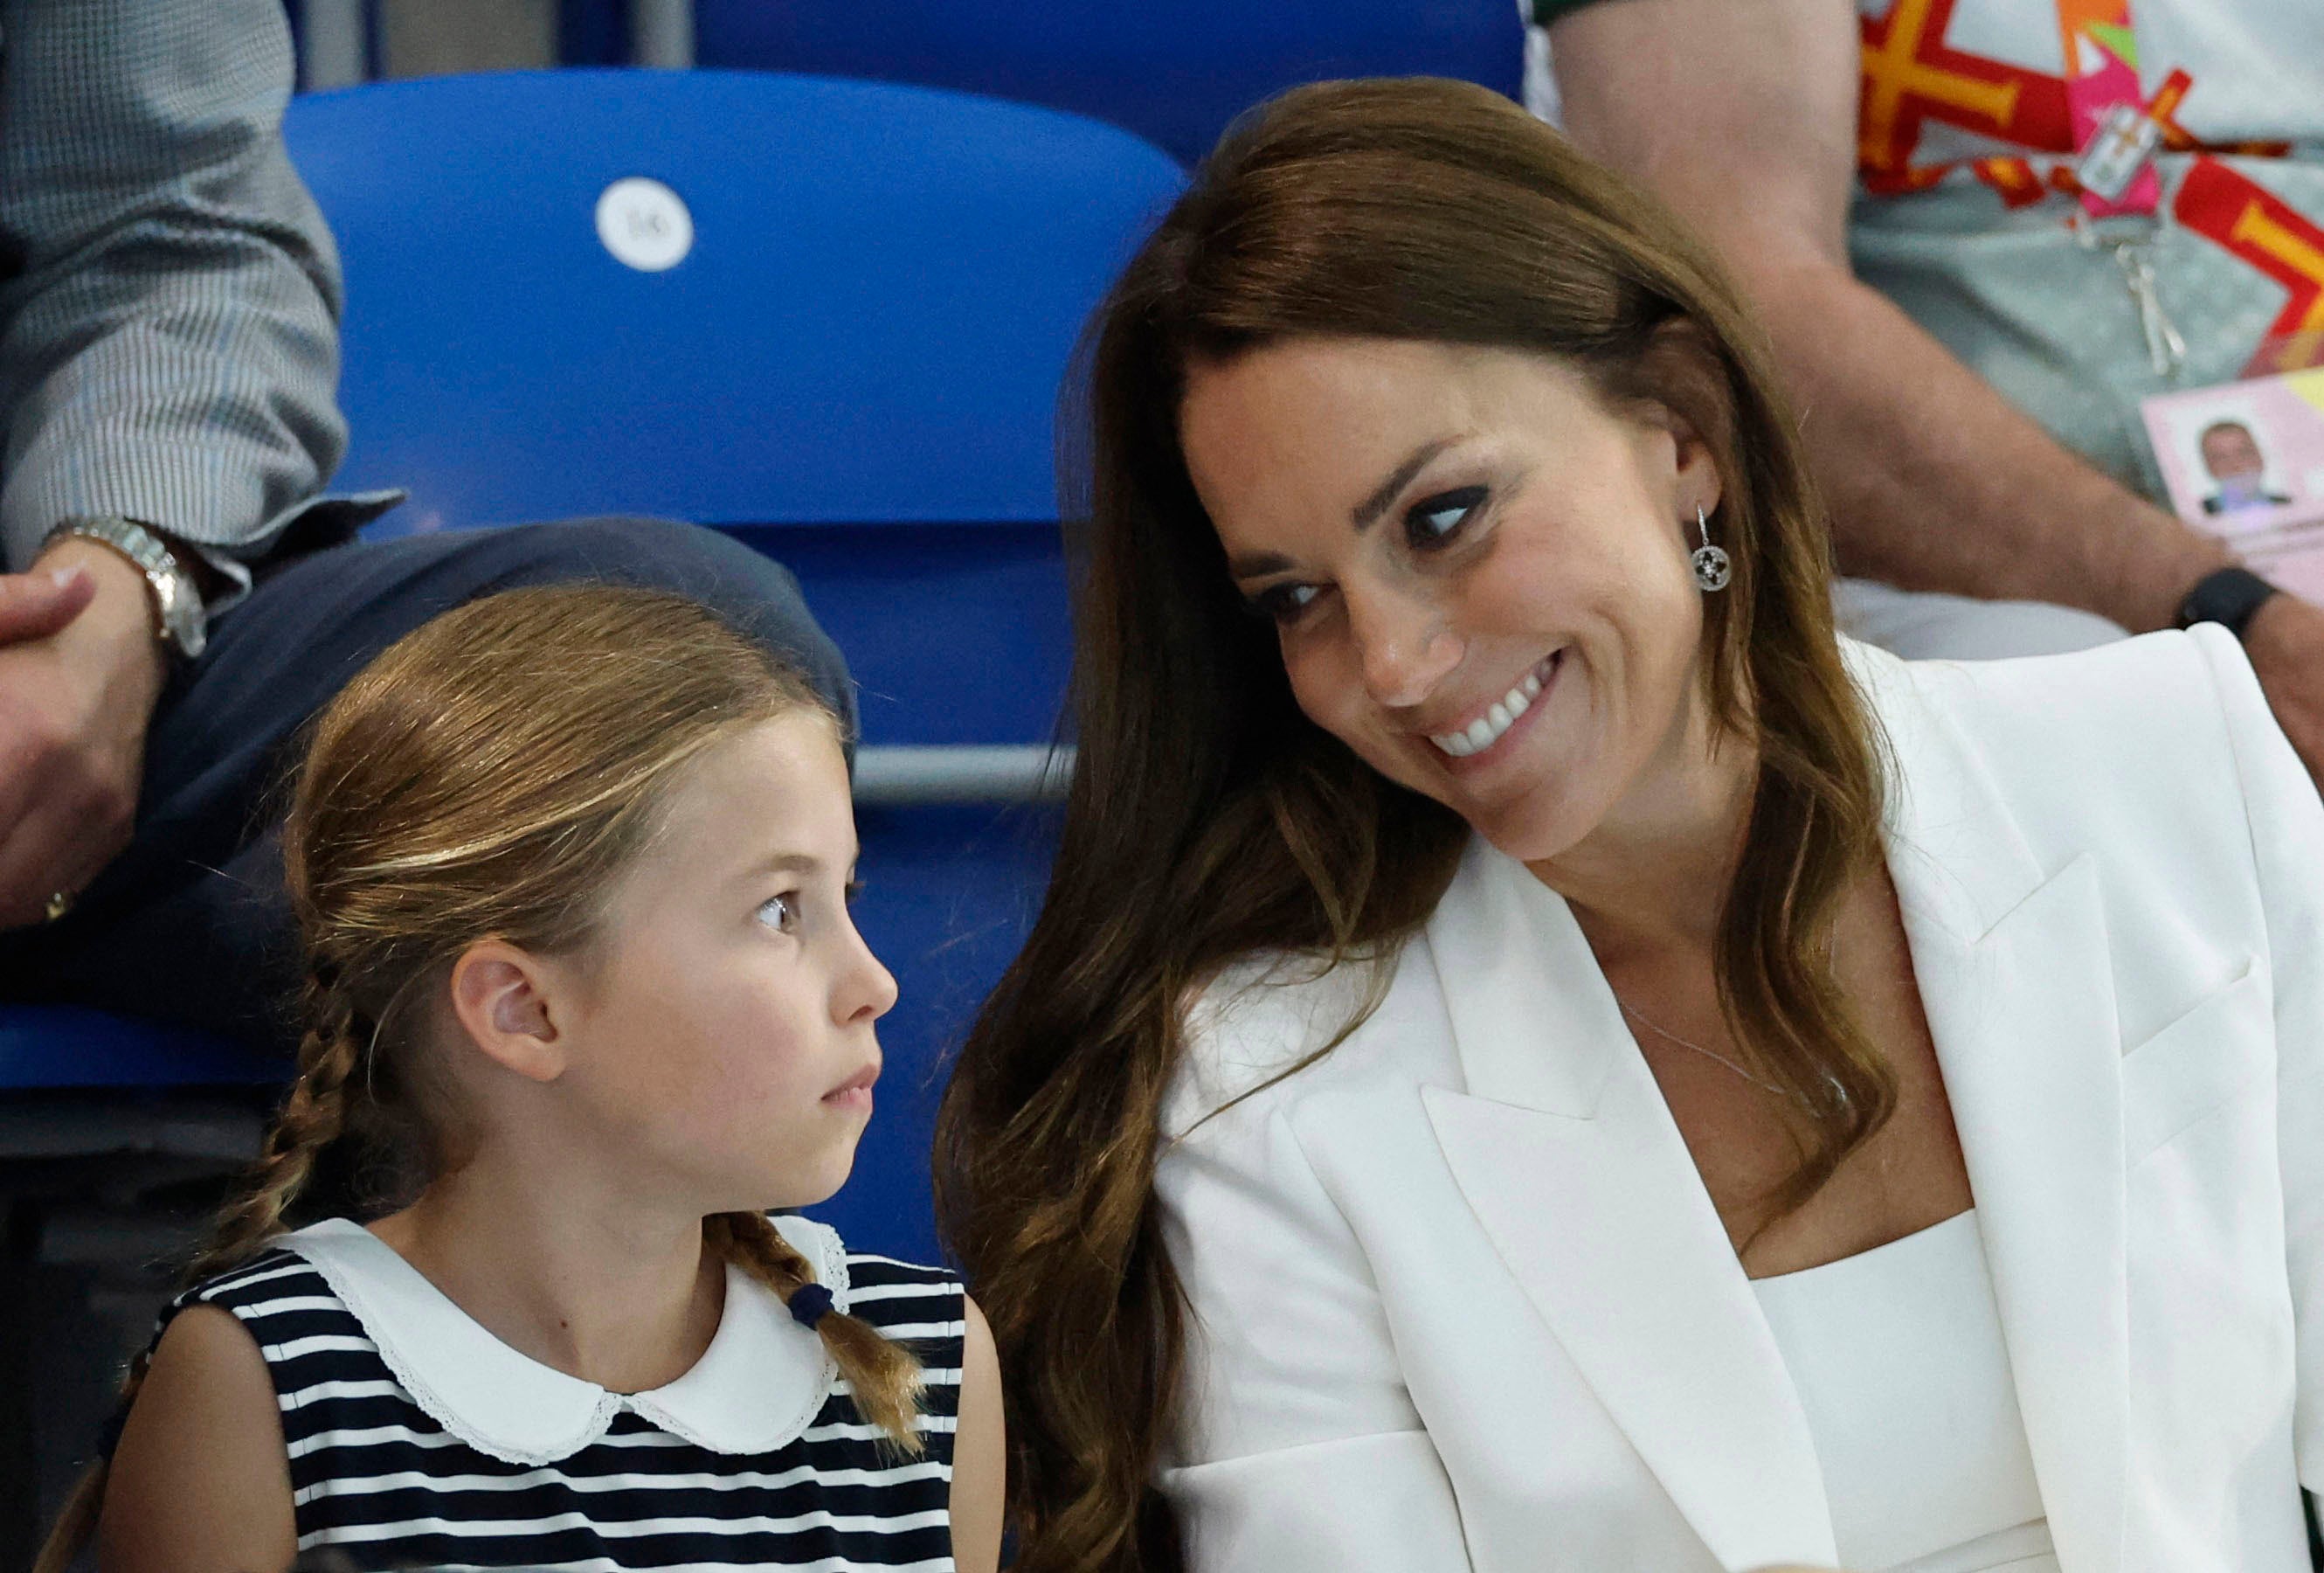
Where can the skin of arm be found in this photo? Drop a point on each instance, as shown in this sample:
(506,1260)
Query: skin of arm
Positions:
(200,1482)
(980,1456)
(1741,116)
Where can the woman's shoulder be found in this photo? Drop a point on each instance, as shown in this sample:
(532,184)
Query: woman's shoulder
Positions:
(1282,1026)
(2103,699)
(2091,724)
(2139,753)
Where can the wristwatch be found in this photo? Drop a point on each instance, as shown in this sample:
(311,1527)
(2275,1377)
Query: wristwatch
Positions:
(179,620)
(2227,596)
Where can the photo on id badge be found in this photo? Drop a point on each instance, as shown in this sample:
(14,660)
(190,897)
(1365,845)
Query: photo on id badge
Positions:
(2245,461)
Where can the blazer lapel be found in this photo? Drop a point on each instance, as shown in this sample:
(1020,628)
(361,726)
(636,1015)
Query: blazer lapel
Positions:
(1565,1150)
(2017,985)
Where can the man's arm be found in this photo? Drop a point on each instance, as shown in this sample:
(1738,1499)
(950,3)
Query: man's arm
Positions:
(169,303)
(169,336)
(1741,115)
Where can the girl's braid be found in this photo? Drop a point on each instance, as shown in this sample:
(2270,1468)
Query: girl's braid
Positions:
(883,1375)
(312,1117)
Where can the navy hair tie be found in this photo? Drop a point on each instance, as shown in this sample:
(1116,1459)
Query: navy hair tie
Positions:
(808,1303)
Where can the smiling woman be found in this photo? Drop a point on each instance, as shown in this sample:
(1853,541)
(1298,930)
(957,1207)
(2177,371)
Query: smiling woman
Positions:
(1523,1010)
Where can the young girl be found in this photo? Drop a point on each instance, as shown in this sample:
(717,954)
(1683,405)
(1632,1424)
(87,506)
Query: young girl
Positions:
(583,1001)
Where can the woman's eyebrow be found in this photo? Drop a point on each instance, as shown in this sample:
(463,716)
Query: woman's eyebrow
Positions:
(1368,511)
(1257,564)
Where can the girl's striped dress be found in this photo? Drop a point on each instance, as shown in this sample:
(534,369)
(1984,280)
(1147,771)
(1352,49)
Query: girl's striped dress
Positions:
(418,1440)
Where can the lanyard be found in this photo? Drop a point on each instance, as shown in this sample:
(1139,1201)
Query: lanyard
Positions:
(2118,132)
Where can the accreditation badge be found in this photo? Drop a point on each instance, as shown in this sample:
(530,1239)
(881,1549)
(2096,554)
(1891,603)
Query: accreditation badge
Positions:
(2244,462)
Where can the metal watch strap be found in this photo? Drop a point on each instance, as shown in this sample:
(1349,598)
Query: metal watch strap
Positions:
(182,623)
(2227,596)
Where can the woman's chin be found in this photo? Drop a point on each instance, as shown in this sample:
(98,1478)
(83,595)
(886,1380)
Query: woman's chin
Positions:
(1533,826)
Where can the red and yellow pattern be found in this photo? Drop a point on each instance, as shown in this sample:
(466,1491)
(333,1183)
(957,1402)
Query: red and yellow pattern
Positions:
(2263,231)
(1909,76)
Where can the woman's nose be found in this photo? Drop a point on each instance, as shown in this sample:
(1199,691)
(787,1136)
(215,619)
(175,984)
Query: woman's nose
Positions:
(1402,646)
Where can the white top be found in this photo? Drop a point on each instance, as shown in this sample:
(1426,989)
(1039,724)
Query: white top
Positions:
(1898,1358)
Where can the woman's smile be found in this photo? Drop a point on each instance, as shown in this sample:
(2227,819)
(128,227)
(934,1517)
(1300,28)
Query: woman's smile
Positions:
(1489,734)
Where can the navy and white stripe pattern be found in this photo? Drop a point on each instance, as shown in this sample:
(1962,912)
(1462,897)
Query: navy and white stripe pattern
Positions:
(390,1483)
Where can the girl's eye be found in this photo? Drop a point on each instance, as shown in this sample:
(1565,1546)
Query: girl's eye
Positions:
(1283,604)
(1433,521)
(779,913)
(854,889)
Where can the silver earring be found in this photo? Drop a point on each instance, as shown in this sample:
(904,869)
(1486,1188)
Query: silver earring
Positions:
(1711,569)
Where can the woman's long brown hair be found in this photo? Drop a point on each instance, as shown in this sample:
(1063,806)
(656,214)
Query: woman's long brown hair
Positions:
(1210,819)
(492,774)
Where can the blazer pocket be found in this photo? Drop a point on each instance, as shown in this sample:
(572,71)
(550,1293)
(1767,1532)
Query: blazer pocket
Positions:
(2222,1046)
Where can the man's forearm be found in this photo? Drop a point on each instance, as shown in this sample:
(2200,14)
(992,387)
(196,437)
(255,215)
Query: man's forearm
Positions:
(1936,482)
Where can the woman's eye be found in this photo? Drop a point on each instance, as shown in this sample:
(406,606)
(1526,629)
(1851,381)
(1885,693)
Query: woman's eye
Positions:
(853,892)
(1435,520)
(1284,603)
(779,913)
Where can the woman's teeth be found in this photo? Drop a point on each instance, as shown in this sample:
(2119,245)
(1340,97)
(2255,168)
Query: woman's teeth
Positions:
(1486,730)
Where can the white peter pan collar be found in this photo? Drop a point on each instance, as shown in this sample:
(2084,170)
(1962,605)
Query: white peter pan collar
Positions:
(761,1382)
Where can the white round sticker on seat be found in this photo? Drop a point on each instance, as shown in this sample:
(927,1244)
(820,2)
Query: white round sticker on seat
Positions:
(644,223)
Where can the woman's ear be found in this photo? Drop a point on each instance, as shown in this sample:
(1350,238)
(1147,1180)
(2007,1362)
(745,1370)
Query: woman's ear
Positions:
(507,1002)
(1685,389)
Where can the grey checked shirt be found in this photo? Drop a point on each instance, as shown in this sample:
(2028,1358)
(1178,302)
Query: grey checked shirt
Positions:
(169,294)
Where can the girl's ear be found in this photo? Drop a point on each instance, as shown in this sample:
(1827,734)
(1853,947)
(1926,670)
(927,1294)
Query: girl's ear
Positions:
(506,1002)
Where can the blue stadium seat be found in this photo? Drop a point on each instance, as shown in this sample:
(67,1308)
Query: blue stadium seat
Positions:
(54,1048)
(855,368)
(1175,73)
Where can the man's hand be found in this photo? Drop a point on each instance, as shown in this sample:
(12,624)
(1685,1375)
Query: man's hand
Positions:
(80,670)
(2285,641)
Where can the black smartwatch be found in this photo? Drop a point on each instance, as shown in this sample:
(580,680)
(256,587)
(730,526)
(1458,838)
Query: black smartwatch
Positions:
(2227,596)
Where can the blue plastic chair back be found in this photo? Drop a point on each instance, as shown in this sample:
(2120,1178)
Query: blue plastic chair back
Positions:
(49,1047)
(883,289)
(1175,73)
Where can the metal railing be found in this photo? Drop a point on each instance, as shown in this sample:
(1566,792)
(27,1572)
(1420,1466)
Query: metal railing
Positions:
(903,777)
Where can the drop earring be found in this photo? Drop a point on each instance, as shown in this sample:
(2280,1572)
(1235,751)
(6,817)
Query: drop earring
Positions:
(1711,569)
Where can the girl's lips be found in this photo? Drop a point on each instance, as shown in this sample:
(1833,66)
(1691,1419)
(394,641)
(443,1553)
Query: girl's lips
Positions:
(856,1089)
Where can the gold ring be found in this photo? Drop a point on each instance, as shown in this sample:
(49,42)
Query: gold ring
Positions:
(60,904)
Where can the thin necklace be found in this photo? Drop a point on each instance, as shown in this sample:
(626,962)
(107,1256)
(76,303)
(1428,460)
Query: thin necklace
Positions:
(1635,1014)
(1840,1092)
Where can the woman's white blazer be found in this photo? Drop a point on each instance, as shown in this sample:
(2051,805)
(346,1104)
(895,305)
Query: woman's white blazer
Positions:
(1460,1301)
